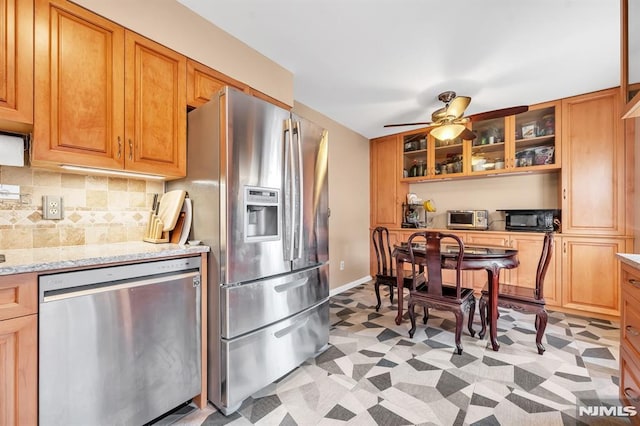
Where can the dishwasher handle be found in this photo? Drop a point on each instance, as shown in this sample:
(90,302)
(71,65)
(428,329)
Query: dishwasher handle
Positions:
(68,293)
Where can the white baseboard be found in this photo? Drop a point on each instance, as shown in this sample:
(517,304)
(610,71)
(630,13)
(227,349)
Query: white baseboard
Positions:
(350,285)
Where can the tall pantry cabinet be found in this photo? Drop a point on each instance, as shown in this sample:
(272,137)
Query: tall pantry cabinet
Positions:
(594,202)
(387,192)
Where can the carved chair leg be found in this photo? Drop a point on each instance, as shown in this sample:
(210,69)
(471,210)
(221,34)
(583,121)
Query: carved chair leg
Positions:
(377,288)
(541,320)
(472,312)
(459,317)
(391,291)
(426,314)
(484,316)
(412,316)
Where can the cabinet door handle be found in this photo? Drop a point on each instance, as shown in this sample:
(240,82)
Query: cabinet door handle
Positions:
(119,147)
(564,247)
(564,193)
(634,282)
(631,394)
(130,149)
(632,331)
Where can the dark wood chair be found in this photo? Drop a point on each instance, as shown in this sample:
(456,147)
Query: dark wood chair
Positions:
(385,273)
(436,295)
(524,299)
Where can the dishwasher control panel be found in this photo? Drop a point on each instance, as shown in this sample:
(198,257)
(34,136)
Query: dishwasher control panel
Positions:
(114,274)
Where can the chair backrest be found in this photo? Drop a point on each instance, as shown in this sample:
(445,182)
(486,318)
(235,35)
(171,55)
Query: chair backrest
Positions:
(384,261)
(433,260)
(543,264)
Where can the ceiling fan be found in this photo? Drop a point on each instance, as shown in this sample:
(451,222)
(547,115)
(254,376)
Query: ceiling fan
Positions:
(448,122)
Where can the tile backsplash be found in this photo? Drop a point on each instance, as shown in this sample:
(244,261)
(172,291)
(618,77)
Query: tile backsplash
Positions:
(97,209)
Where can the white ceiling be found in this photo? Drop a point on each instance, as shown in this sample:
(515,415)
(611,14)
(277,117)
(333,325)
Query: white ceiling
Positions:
(366,63)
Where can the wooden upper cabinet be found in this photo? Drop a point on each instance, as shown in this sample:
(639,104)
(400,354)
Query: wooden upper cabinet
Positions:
(155,108)
(593,165)
(203,82)
(79,90)
(105,97)
(16,65)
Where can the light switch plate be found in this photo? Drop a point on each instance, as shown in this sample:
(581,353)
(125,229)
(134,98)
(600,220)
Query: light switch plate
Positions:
(52,207)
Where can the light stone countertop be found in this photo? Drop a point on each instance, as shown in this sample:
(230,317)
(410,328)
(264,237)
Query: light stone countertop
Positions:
(52,258)
(630,259)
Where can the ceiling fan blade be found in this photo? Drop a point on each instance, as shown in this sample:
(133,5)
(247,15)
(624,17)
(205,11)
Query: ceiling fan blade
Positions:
(498,113)
(425,123)
(458,105)
(439,114)
(467,135)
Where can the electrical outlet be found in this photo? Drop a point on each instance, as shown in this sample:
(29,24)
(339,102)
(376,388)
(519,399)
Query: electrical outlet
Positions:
(52,208)
(342,265)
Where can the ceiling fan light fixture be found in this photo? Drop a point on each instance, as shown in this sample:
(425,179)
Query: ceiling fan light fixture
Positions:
(447,131)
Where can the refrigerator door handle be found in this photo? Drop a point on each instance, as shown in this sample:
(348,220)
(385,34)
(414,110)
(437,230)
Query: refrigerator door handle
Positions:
(300,184)
(291,285)
(289,192)
(290,329)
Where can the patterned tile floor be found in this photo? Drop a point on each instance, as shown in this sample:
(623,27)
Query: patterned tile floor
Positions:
(374,374)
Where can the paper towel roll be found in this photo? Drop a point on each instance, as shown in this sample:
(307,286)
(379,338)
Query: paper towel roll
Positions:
(11,150)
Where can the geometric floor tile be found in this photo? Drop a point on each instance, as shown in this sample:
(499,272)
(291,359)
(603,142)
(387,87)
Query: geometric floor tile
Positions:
(373,373)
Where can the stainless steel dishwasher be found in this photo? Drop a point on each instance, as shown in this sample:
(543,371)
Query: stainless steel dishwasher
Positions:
(119,345)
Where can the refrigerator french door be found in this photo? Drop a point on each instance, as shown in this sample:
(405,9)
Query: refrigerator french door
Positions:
(257,177)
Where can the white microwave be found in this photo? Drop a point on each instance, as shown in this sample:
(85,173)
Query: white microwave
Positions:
(468,219)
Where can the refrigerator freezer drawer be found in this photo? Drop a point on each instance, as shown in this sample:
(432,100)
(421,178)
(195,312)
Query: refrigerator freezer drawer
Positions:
(257,359)
(250,306)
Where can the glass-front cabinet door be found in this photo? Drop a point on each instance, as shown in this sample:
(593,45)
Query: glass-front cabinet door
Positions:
(489,148)
(424,157)
(449,158)
(526,141)
(415,155)
(536,138)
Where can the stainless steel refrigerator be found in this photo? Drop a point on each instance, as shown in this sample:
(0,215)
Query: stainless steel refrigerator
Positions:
(257,178)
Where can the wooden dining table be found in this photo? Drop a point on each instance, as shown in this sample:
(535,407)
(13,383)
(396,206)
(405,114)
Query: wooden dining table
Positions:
(490,258)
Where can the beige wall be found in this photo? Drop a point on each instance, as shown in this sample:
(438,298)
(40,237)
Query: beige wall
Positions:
(176,26)
(348,199)
(499,192)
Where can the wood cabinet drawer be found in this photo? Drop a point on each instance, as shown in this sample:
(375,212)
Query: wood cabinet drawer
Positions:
(629,380)
(630,324)
(630,281)
(18,295)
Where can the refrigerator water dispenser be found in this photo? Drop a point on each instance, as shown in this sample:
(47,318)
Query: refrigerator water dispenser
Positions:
(262,214)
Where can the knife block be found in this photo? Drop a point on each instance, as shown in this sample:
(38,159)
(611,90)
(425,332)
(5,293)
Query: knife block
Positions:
(154,232)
